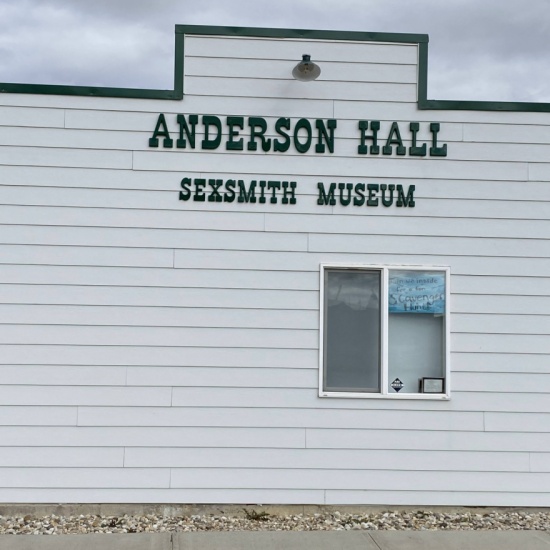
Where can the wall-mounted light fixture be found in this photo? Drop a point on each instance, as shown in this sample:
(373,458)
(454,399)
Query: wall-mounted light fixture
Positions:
(306,70)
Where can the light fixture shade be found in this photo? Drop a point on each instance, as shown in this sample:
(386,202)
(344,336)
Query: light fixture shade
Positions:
(306,70)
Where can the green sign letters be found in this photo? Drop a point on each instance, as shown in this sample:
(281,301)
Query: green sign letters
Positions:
(239,133)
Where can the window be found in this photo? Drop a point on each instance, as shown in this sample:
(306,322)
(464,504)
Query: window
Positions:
(384,331)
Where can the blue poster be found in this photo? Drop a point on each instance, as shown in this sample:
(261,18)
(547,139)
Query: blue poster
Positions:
(417,292)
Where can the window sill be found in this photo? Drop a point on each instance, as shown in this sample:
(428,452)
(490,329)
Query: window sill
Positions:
(401,396)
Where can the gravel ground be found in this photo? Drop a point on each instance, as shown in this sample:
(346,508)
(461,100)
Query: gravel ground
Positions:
(257,520)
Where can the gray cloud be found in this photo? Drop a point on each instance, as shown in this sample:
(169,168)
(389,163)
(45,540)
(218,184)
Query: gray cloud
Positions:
(479,49)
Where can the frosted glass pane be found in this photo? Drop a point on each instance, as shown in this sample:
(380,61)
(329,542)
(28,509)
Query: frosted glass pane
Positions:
(352,331)
(416,328)
(415,349)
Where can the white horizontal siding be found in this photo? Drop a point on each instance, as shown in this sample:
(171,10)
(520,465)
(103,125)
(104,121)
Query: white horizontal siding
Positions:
(153,238)
(508,400)
(345,479)
(250,377)
(223,376)
(64,138)
(502,382)
(74,255)
(155,350)
(43,156)
(151,296)
(282,397)
(125,217)
(176,496)
(539,172)
(118,121)
(395,225)
(159,336)
(540,462)
(468,208)
(534,286)
(37,416)
(326,166)
(254,398)
(85,395)
(119,117)
(109,315)
(84,478)
(385,224)
(253,87)
(481,265)
(61,375)
(94,198)
(506,133)
(435,440)
(500,362)
(275,242)
(509,152)
(521,305)
(83,436)
(513,422)
(181,414)
(511,343)
(325,458)
(32,117)
(114,276)
(365,109)
(238,278)
(459,246)
(62,457)
(328,50)
(279,69)
(167,356)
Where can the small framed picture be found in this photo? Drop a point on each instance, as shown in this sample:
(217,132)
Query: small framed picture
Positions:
(432,385)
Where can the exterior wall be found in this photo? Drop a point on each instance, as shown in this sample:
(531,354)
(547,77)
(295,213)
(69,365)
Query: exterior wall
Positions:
(155,350)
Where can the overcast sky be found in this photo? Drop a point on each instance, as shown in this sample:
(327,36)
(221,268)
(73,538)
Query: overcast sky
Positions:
(479,49)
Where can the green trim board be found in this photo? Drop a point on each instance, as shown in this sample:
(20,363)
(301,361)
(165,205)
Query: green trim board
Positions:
(456,105)
(177,92)
(99,91)
(357,36)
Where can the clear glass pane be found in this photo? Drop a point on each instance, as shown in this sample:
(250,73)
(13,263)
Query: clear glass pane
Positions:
(352,331)
(416,329)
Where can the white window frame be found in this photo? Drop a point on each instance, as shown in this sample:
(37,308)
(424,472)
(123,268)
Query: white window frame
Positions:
(384,272)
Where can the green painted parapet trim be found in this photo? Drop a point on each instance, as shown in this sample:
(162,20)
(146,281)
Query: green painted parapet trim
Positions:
(96,91)
(177,93)
(59,89)
(451,105)
(357,36)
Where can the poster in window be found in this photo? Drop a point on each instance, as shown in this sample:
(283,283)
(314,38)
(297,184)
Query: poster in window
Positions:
(417,292)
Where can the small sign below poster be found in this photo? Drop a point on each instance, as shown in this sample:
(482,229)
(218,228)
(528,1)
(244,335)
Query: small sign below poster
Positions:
(416,292)
(397,384)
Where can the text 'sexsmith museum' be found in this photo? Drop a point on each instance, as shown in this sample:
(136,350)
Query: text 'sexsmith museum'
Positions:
(257,289)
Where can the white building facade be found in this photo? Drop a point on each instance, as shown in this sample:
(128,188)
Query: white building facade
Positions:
(253,289)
